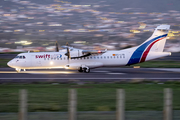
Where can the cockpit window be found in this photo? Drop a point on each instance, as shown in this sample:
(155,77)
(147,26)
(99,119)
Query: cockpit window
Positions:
(20,57)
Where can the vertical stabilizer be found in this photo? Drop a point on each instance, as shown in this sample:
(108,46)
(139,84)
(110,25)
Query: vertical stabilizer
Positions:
(155,43)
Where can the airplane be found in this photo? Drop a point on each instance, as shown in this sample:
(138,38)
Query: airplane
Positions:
(84,60)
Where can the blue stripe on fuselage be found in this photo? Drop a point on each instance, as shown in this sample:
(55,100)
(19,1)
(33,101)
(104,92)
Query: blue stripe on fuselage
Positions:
(136,56)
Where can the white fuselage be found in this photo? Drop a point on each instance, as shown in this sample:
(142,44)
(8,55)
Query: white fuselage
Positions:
(43,60)
(59,60)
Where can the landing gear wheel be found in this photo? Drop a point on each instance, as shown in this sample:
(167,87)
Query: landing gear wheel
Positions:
(18,70)
(86,70)
(80,70)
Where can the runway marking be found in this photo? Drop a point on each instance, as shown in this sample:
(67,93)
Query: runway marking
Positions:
(120,78)
(41,72)
(168,69)
(115,73)
(101,71)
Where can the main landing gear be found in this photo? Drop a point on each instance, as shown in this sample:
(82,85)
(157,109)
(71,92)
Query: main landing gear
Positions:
(86,69)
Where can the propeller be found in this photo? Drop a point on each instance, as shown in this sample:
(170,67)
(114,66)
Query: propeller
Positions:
(57,48)
(68,51)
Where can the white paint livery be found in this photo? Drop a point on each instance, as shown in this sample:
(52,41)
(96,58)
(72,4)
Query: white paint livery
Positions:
(84,60)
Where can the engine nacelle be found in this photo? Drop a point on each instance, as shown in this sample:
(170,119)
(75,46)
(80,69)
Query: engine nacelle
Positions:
(76,53)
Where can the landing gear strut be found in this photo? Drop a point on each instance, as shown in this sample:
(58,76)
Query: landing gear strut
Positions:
(18,70)
(80,70)
(86,70)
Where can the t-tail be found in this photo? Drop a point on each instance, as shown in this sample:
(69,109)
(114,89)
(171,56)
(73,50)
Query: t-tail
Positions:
(152,48)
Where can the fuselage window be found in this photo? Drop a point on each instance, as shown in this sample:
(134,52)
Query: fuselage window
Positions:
(90,57)
(111,56)
(94,57)
(101,57)
(114,56)
(87,57)
(44,58)
(107,56)
(117,57)
(84,58)
(61,58)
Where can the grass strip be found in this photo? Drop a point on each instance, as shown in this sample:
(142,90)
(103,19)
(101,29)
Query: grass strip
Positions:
(91,97)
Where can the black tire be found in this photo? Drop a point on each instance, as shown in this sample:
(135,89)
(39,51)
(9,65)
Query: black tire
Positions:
(80,70)
(86,70)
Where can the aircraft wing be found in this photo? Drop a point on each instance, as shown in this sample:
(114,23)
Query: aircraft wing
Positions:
(79,53)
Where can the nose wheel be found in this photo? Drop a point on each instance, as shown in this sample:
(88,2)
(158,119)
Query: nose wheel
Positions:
(18,70)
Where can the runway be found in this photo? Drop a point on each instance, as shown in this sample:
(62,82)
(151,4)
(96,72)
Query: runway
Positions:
(9,75)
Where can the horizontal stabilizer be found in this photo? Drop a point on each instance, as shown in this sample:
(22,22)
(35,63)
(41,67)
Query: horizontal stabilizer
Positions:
(163,27)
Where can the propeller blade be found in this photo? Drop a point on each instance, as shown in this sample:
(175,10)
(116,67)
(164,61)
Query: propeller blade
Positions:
(57,48)
(68,53)
(67,44)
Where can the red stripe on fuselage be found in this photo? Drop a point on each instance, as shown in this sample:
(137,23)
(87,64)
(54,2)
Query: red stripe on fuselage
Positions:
(143,58)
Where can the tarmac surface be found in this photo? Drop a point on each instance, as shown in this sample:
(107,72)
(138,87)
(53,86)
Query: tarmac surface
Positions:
(99,75)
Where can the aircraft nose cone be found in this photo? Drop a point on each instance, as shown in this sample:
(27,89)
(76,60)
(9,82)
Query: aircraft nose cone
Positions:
(9,63)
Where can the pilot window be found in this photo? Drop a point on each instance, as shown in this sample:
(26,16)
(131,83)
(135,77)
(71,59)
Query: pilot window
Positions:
(20,57)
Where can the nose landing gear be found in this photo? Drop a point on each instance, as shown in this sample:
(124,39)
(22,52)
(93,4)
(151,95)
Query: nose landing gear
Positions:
(18,70)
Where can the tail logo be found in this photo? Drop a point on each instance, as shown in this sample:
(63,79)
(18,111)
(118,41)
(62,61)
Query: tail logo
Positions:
(141,52)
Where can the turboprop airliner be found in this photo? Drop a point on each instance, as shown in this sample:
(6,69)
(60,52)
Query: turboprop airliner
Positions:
(84,60)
